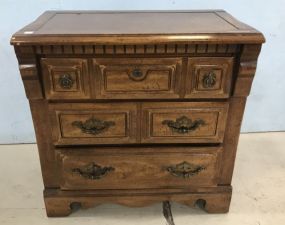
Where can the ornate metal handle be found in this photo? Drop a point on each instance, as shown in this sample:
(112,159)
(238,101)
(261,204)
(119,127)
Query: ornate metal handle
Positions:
(93,171)
(93,126)
(183,124)
(209,79)
(185,170)
(65,81)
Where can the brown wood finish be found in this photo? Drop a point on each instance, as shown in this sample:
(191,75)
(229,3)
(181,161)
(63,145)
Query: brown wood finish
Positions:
(120,49)
(59,203)
(131,78)
(123,117)
(155,130)
(137,78)
(200,84)
(199,27)
(56,70)
(108,90)
(31,80)
(246,72)
(140,170)
(39,110)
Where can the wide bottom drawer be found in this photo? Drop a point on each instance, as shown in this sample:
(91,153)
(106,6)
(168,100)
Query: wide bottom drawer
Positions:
(133,168)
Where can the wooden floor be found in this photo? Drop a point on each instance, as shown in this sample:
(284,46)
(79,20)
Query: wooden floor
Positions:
(258,194)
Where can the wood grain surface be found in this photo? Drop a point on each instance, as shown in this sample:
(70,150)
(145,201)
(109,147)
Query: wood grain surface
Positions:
(139,170)
(137,107)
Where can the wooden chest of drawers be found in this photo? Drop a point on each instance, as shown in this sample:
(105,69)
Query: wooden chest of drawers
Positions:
(137,107)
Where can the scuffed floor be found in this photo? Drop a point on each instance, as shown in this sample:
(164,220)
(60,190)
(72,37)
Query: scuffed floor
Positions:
(258,194)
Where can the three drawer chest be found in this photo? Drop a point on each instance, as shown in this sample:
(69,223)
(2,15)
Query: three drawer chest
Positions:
(138,107)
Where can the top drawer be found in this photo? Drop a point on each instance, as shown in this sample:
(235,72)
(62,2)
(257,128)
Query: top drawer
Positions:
(137,78)
(209,77)
(66,78)
(127,78)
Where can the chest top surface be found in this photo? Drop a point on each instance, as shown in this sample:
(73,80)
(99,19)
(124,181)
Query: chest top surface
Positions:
(57,27)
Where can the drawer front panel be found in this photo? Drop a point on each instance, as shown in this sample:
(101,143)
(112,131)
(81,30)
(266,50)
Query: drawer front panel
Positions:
(65,78)
(209,77)
(170,168)
(125,78)
(75,124)
(183,122)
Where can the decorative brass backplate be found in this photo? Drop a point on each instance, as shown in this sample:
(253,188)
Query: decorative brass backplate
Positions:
(185,170)
(209,80)
(65,81)
(183,124)
(93,126)
(93,171)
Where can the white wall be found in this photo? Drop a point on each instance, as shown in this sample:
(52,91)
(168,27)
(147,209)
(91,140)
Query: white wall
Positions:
(265,108)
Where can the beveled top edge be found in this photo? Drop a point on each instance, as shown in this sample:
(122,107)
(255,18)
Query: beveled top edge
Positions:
(140,39)
(243,33)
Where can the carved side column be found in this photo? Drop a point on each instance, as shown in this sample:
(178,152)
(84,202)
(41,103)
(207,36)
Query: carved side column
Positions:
(241,90)
(29,70)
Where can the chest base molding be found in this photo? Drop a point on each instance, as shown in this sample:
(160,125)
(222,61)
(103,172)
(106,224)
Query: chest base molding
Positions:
(62,203)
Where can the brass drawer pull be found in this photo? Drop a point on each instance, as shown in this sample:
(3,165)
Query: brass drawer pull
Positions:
(65,81)
(93,126)
(185,170)
(209,80)
(93,171)
(137,75)
(183,124)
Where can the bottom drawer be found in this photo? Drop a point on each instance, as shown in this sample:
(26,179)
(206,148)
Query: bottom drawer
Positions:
(131,168)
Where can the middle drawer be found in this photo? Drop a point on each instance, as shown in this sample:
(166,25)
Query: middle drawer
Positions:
(127,123)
